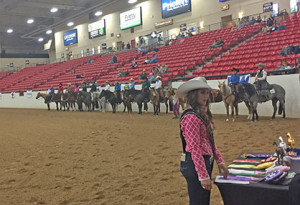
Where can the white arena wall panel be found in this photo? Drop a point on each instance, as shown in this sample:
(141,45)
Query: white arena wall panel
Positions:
(289,82)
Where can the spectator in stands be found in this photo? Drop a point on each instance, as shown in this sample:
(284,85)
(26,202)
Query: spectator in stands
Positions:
(284,65)
(158,87)
(159,38)
(107,85)
(143,75)
(133,64)
(285,50)
(270,21)
(90,60)
(73,71)
(128,46)
(214,44)
(126,73)
(265,19)
(152,78)
(258,19)
(155,49)
(234,82)
(120,74)
(115,59)
(122,45)
(273,28)
(132,84)
(253,21)
(80,76)
(234,26)
(164,68)
(154,59)
(76,87)
(297,65)
(147,61)
(220,42)
(190,34)
(295,49)
(60,88)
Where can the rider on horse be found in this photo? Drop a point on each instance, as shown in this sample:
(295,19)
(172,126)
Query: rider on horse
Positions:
(132,84)
(234,82)
(118,92)
(158,87)
(93,87)
(145,87)
(261,81)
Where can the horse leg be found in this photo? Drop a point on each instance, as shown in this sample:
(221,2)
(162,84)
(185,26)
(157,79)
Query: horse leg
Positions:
(56,106)
(274,103)
(232,111)
(227,112)
(48,105)
(249,110)
(281,109)
(167,107)
(140,107)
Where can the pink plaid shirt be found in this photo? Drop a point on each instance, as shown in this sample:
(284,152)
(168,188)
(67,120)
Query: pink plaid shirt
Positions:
(198,144)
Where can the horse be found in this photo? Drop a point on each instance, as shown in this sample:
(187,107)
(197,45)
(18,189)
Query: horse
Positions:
(110,97)
(154,97)
(215,96)
(44,96)
(248,92)
(280,152)
(138,96)
(95,98)
(72,97)
(64,101)
(84,97)
(230,101)
(170,92)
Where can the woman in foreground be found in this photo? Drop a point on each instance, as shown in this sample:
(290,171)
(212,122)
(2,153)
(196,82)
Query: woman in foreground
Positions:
(199,149)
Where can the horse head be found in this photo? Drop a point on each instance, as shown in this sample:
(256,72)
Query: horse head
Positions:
(38,95)
(222,87)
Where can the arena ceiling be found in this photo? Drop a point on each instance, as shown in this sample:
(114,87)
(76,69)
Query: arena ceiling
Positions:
(15,13)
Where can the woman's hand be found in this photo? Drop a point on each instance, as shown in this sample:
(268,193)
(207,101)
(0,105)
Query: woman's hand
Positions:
(223,170)
(206,184)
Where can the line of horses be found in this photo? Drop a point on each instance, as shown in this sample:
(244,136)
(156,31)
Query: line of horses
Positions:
(92,101)
(97,100)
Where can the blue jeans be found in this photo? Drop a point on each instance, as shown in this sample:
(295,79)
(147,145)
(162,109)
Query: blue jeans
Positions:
(197,195)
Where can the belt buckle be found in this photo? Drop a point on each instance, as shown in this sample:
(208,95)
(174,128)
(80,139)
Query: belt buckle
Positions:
(183,155)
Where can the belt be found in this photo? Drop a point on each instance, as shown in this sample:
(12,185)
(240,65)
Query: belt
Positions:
(210,157)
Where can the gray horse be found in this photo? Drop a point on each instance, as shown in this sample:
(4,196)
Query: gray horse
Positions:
(84,97)
(248,92)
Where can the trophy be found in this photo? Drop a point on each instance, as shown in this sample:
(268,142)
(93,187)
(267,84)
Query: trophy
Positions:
(291,144)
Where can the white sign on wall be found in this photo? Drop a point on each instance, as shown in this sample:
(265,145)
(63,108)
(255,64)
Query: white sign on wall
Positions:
(96,29)
(131,18)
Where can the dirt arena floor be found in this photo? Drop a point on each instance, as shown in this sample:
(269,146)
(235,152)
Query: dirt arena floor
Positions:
(96,158)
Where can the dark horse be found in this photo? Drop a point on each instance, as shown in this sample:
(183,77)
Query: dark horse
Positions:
(138,96)
(111,98)
(84,97)
(247,91)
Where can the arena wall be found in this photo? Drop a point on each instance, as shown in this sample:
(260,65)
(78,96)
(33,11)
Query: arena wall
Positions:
(289,82)
(208,12)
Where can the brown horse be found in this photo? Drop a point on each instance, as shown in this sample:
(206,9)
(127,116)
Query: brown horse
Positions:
(154,97)
(170,92)
(44,96)
(215,96)
(229,100)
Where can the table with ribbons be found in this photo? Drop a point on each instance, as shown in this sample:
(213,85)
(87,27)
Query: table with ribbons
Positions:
(256,178)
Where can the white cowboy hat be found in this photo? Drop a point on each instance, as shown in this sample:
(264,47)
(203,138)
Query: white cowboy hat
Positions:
(193,84)
(158,77)
(131,79)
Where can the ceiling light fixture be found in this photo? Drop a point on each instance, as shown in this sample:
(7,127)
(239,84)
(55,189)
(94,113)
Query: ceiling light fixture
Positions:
(40,39)
(30,21)
(70,24)
(98,13)
(49,32)
(10,30)
(132,1)
(53,10)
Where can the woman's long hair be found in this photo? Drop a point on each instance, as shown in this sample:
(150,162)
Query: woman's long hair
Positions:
(192,100)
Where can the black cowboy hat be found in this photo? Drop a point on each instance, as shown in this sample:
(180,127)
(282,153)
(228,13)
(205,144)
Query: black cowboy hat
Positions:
(235,69)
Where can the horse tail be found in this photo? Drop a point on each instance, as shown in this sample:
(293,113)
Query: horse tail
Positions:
(280,109)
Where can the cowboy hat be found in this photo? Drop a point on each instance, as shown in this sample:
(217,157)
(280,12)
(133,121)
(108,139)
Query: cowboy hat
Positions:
(261,64)
(193,84)
(235,69)
(158,77)
(131,79)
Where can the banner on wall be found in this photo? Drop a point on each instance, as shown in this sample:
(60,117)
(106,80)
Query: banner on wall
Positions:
(268,7)
(70,37)
(131,18)
(163,23)
(97,29)
(183,27)
(174,7)
(294,5)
